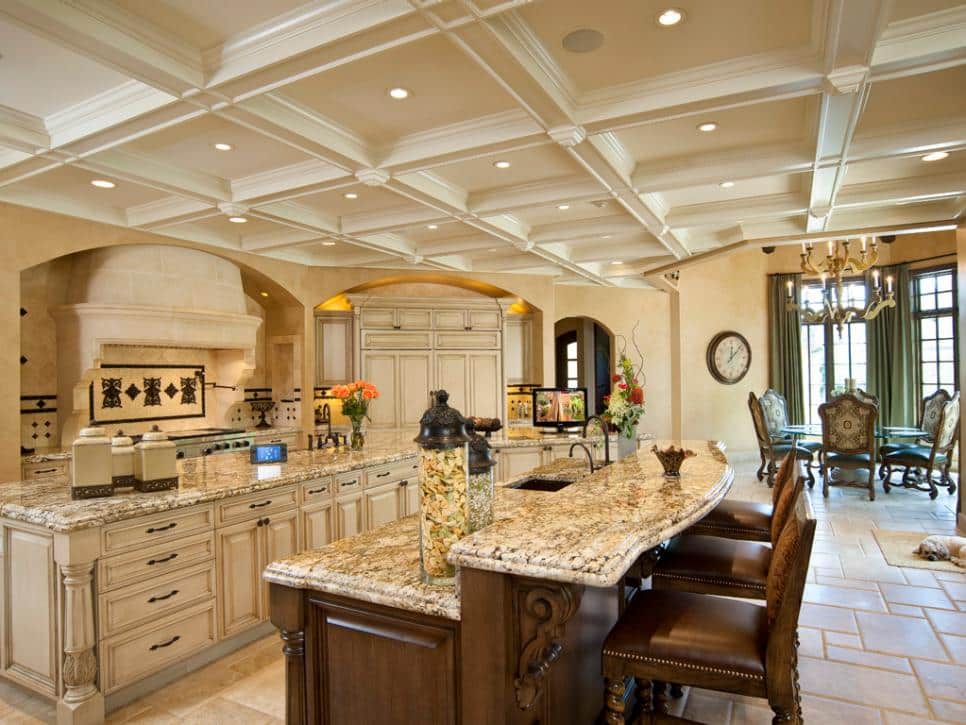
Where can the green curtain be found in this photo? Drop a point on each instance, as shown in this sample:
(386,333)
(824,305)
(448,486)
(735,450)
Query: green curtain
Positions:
(785,344)
(893,369)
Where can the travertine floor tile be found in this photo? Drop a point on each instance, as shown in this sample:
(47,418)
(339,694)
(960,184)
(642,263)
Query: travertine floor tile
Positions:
(810,642)
(708,707)
(822,710)
(942,680)
(861,685)
(844,597)
(956,646)
(823,617)
(950,622)
(892,634)
(843,640)
(868,659)
(916,596)
(948,710)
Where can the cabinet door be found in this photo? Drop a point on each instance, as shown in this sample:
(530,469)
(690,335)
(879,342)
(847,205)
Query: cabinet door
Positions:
(449,319)
(453,377)
(333,350)
(382,318)
(414,383)
(280,539)
(411,497)
(317,529)
(383,504)
(484,389)
(413,319)
(516,350)
(348,515)
(239,578)
(483,319)
(379,368)
(515,461)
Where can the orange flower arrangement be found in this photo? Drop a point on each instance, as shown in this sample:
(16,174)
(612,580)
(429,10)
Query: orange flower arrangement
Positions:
(355,398)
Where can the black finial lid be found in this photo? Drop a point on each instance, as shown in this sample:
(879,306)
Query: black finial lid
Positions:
(481,455)
(442,426)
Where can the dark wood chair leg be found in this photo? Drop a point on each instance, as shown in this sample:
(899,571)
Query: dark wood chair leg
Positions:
(782,715)
(614,701)
(826,473)
(933,491)
(645,703)
(761,469)
(770,472)
(886,480)
(677,692)
(872,482)
(660,697)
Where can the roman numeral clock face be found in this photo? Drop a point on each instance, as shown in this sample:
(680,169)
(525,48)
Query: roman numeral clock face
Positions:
(729,357)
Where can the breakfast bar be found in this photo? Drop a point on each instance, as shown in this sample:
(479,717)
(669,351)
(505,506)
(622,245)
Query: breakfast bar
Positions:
(517,640)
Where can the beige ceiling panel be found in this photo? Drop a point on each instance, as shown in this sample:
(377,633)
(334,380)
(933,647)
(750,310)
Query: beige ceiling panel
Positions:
(368,199)
(538,216)
(910,167)
(636,47)
(747,188)
(915,99)
(75,184)
(526,166)
(445,87)
(906,9)
(221,226)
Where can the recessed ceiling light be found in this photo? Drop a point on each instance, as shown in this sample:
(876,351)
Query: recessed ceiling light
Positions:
(224,146)
(263,294)
(502,164)
(670,17)
(563,207)
(726,184)
(935,156)
(237,219)
(583,40)
(398,93)
(328,244)
(491,249)
(351,195)
(708,126)
(432,226)
(103,184)
(617,261)
(606,236)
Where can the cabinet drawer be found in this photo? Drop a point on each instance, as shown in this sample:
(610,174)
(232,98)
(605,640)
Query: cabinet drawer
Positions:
(467,340)
(349,482)
(391,472)
(258,504)
(148,530)
(397,340)
(449,319)
(129,657)
(135,566)
(32,471)
(413,319)
(483,319)
(147,601)
(316,491)
(378,317)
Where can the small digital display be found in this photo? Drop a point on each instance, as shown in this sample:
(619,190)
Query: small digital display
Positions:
(270,453)
(559,407)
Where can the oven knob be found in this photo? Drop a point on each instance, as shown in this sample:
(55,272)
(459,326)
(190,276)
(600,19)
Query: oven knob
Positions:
(246,443)
(179,454)
(206,452)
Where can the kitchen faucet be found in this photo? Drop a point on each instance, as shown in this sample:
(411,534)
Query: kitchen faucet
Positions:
(603,429)
(590,456)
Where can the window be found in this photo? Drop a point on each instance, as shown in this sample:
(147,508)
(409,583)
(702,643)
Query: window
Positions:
(935,311)
(572,364)
(828,357)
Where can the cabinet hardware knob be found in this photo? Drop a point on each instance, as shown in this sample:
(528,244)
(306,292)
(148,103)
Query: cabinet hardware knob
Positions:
(263,504)
(170,642)
(169,557)
(266,521)
(397,327)
(157,529)
(172,593)
(404,483)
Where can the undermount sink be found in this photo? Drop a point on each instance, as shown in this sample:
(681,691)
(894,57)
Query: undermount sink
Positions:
(541,484)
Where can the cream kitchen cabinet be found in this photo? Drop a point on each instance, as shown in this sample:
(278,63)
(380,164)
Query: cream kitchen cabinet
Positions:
(395,318)
(383,504)
(466,320)
(517,342)
(333,348)
(404,380)
(517,461)
(472,379)
(349,519)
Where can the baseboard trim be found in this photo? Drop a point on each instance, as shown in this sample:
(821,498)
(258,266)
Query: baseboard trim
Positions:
(176,671)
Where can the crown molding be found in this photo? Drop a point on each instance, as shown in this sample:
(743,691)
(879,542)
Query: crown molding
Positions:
(104,110)
(22,131)
(168,211)
(285,178)
(544,192)
(560,84)
(728,212)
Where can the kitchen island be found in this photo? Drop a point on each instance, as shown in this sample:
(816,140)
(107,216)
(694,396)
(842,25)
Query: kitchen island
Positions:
(518,639)
(106,599)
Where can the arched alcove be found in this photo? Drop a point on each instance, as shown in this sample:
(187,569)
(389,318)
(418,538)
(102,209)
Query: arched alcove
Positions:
(584,358)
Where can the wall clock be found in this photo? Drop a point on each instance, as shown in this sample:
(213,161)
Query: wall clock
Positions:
(729,357)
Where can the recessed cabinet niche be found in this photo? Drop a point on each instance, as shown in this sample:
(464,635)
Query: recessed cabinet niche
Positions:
(333,348)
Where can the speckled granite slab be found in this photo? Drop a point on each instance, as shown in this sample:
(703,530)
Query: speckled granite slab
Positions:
(47,502)
(599,526)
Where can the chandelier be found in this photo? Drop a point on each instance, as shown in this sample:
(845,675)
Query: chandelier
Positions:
(837,307)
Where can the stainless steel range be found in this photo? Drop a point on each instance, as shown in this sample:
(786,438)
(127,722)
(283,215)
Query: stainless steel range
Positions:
(211,441)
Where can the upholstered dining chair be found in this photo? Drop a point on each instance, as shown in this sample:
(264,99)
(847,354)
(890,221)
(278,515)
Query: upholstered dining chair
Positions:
(769,450)
(775,409)
(848,440)
(918,462)
(930,411)
(716,643)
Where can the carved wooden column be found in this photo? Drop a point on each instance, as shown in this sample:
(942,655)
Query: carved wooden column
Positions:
(81,701)
(287,613)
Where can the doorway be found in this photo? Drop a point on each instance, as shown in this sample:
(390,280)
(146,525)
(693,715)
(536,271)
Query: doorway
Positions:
(583,351)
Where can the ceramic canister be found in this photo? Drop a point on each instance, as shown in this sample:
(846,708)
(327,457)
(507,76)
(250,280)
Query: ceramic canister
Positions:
(122,460)
(91,466)
(155,462)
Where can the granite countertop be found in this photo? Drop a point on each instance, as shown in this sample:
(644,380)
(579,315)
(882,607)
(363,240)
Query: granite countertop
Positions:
(590,532)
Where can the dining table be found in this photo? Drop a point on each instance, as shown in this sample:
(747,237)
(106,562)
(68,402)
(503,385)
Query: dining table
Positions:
(881,432)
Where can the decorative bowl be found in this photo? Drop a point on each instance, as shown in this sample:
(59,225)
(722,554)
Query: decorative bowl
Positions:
(671,459)
(485,425)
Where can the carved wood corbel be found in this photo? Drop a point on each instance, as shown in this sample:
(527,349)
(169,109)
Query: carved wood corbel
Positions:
(542,609)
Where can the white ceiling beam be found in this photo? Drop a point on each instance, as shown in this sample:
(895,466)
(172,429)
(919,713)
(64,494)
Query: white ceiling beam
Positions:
(581,229)
(545,192)
(298,179)
(920,44)
(22,131)
(109,35)
(737,210)
(169,211)
(893,191)
(150,172)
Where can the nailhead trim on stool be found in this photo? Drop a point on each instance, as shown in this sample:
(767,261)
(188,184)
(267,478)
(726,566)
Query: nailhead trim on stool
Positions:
(685,665)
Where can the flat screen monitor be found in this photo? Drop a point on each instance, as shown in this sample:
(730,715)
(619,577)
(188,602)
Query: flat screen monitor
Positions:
(559,408)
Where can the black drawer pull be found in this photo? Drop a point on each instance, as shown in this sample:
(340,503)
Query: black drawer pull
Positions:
(383,474)
(349,483)
(166,527)
(263,522)
(397,327)
(169,557)
(45,470)
(172,593)
(467,328)
(317,490)
(259,505)
(404,483)
(165,644)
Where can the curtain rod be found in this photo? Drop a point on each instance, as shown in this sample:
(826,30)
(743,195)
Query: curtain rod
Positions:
(908,261)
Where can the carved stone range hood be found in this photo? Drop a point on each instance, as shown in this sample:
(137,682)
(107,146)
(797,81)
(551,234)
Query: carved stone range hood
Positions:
(137,303)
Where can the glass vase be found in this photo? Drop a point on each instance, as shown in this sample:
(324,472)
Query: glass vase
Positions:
(481,488)
(444,513)
(626,446)
(356,439)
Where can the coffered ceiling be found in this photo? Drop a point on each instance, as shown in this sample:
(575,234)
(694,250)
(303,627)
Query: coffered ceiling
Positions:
(519,147)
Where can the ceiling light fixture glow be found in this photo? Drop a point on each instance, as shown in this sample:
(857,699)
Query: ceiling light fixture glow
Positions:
(103,184)
(263,294)
(726,184)
(237,219)
(328,244)
(670,17)
(617,261)
(224,146)
(563,207)
(502,164)
(708,126)
(398,93)
(351,195)
(935,156)
(432,226)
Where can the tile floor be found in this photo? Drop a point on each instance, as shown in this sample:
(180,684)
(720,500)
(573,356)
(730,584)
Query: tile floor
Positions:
(880,645)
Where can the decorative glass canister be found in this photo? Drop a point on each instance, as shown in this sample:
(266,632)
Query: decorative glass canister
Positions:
(481,485)
(444,511)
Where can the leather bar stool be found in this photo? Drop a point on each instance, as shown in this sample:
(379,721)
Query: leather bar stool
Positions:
(720,644)
(745,520)
(729,567)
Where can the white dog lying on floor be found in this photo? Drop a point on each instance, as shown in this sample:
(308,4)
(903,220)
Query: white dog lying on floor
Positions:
(941,548)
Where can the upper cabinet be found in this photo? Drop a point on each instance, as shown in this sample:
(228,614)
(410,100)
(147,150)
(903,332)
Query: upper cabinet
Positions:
(333,348)
(466,320)
(517,336)
(395,318)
